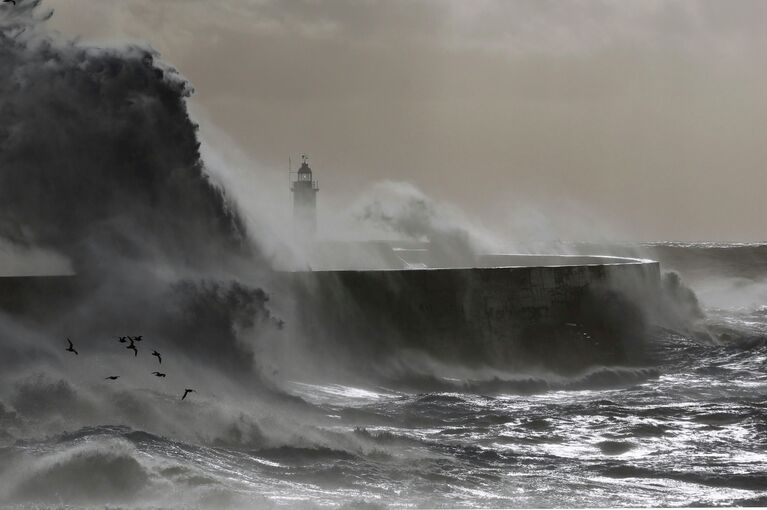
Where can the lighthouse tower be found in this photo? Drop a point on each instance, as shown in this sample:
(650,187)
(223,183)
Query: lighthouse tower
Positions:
(304,190)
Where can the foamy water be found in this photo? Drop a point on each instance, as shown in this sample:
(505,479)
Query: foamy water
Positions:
(694,434)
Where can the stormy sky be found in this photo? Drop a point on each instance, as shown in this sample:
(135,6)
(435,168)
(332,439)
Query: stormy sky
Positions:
(645,118)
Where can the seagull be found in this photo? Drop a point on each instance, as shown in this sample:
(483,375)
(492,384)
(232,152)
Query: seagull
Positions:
(71,347)
(112,377)
(122,339)
(158,374)
(136,338)
(187,391)
(155,353)
(133,347)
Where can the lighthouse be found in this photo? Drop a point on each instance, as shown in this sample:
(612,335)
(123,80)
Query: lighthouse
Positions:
(304,190)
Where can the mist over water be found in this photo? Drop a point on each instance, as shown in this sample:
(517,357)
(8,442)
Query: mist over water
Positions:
(101,174)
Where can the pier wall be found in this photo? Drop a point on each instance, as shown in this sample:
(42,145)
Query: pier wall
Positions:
(34,296)
(559,312)
(569,313)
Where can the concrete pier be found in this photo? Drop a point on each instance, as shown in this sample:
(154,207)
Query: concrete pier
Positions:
(36,296)
(559,312)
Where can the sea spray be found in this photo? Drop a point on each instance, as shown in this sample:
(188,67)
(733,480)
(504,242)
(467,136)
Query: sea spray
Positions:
(100,168)
(99,159)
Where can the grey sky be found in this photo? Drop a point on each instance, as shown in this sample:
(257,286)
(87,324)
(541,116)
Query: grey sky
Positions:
(649,114)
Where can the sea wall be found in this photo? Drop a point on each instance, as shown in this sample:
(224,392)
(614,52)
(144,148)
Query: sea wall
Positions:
(33,296)
(559,312)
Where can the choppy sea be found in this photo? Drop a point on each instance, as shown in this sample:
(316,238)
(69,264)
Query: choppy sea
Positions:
(689,429)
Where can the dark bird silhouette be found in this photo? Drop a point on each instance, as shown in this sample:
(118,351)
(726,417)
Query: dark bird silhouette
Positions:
(71,347)
(136,338)
(158,374)
(122,339)
(186,392)
(112,377)
(9,2)
(155,353)
(133,347)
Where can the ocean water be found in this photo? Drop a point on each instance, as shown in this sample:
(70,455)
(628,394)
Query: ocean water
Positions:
(690,428)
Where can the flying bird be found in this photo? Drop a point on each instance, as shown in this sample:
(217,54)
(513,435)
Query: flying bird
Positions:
(122,339)
(133,347)
(159,358)
(186,392)
(112,377)
(136,338)
(71,347)
(158,374)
